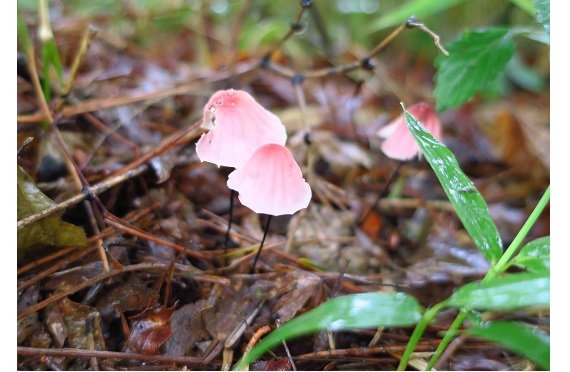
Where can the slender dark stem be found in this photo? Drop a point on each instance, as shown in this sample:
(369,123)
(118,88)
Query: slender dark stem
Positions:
(232,195)
(383,193)
(261,244)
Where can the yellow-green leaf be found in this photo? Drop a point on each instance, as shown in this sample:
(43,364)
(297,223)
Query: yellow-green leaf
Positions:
(47,231)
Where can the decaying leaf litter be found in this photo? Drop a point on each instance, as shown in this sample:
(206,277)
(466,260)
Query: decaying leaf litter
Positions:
(154,285)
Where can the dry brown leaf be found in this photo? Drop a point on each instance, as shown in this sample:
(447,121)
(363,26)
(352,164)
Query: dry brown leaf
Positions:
(150,329)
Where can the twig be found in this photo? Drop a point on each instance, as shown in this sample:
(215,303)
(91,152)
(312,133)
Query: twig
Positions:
(363,63)
(178,139)
(106,275)
(78,353)
(87,192)
(383,193)
(144,235)
(77,255)
(295,26)
(132,216)
(129,171)
(79,56)
(278,324)
(412,23)
(195,87)
(37,85)
(90,204)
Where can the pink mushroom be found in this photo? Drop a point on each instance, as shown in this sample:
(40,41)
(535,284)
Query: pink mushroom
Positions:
(238,125)
(398,141)
(271,182)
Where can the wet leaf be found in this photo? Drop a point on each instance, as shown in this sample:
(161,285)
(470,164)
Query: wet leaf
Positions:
(50,230)
(74,325)
(543,13)
(304,285)
(511,292)
(367,310)
(535,256)
(131,295)
(30,330)
(66,280)
(282,364)
(150,329)
(475,60)
(187,329)
(466,200)
(522,339)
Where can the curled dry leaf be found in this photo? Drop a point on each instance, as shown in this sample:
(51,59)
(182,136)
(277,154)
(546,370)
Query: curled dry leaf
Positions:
(150,329)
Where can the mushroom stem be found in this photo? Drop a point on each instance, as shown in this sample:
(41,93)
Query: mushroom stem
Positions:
(232,195)
(252,271)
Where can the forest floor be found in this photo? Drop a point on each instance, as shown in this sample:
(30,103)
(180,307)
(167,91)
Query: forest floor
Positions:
(155,286)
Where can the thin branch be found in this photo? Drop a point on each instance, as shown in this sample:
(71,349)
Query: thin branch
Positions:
(144,235)
(363,63)
(79,56)
(78,353)
(106,275)
(88,192)
(412,23)
(295,26)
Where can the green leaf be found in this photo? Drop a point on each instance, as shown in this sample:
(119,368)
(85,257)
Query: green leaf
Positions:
(366,310)
(531,343)
(417,8)
(543,13)
(474,60)
(535,256)
(48,231)
(466,200)
(509,292)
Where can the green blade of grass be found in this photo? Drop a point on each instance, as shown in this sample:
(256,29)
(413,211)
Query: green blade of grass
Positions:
(517,337)
(366,310)
(510,292)
(23,34)
(466,200)
(416,8)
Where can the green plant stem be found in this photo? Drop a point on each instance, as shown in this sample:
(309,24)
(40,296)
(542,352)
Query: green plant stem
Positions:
(418,331)
(501,265)
(447,338)
(496,270)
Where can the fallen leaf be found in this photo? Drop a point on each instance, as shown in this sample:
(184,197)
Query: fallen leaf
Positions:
(150,329)
(48,231)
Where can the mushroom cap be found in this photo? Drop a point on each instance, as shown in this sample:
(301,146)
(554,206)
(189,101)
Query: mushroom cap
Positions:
(398,142)
(271,182)
(238,125)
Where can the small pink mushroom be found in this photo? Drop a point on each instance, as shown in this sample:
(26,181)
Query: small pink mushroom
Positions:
(271,182)
(398,141)
(238,125)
